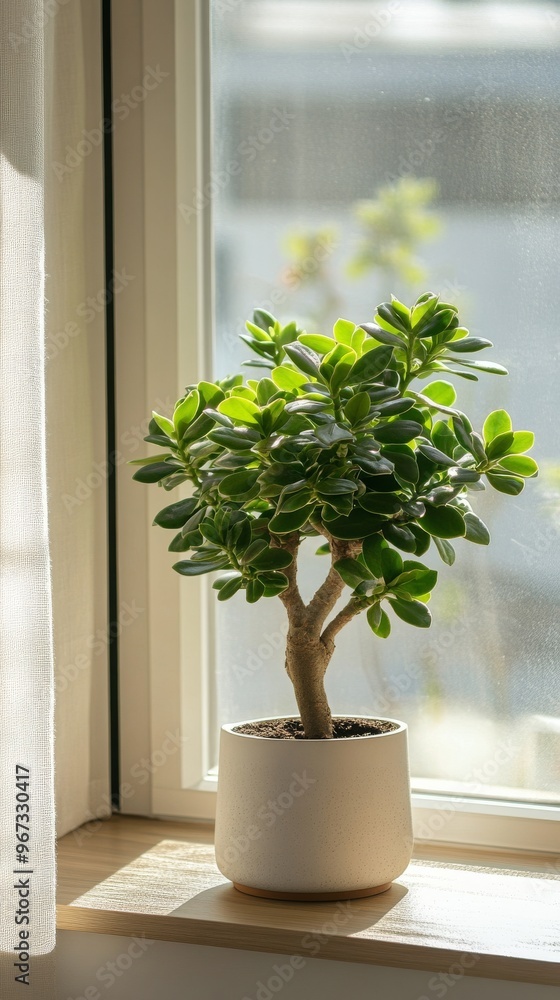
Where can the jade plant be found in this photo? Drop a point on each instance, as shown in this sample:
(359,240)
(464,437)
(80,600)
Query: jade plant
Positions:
(338,441)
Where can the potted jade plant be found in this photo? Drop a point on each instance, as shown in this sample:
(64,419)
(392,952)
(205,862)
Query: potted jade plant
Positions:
(339,441)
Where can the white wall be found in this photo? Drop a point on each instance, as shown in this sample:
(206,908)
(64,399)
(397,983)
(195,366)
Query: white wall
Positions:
(162,971)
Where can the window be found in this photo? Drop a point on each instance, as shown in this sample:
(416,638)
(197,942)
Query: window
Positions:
(328,119)
(334,125)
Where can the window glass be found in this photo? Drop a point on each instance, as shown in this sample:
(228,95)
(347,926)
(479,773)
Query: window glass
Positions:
(361,149)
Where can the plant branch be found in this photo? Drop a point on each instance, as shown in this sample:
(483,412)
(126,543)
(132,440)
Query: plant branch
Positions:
(330,590)
(291,597)
(348,612)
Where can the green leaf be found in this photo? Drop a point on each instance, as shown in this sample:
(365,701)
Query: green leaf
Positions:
(436,456)
(383,336)
(522,441)
(402,457)
(220,418)
(337,354)
(358,524)
(412,612)
(351,571)
(423,539)
(394,406)
(441,495)
(176,514)
(191,568)
(258,363)
(303,405)
(240,409)
(380,503)
(334,487)
(444,438)
(468,345)
(505,484)
(151,459)
(254,590)
(416,582)
(470,376)
(443,522)
(164,424)
(397,431)
(230,587)
(294,501)
(499,445)
(154,472)
(387,315)
(271,558)
(446,550)
(287,378)
(478,450)
(210,393)
(462,433)
(317,342)
(262,346)
(274,583)
(424,308)
(521,465)
(263,319)
(436,325)
(252,551)
(239,484)
(257,334)
(287,334)
(331,434)
(400,535)
(441,392)
(185,412)
(198,429)
(194,520)
(339,377)
(370,365)
(238,534)
(265,389)
(282,524)
(343,330)
(483,366)
(221,581)
(182,542)
(371,552)
(304,358)
(235,438)
(357,407)
(391,564)
(401,310)
(378,621)
(476,530)
(460,476)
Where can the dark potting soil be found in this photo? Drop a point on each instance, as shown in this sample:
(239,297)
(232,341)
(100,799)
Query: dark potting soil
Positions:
(292,729)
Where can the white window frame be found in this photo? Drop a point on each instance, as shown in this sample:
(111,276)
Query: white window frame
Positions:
(161,162)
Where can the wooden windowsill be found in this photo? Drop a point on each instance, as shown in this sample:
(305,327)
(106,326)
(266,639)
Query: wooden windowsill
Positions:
(459,910)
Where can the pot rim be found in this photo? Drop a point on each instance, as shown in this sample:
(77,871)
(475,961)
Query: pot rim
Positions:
(231,726)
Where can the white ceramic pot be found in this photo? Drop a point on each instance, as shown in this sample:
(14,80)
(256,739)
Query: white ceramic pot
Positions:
(323,819)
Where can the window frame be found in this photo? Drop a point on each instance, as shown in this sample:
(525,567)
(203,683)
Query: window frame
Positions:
(162,342)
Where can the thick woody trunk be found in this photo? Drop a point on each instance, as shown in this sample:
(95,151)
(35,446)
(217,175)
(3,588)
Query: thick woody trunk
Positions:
(308,648)
(307,658)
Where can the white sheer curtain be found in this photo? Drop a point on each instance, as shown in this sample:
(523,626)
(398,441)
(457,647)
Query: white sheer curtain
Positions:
(51,440)
(75,407)
(26,653)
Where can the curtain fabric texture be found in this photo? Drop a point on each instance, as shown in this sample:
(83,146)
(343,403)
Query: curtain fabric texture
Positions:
(27,822)
(52,434)
(70,454)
